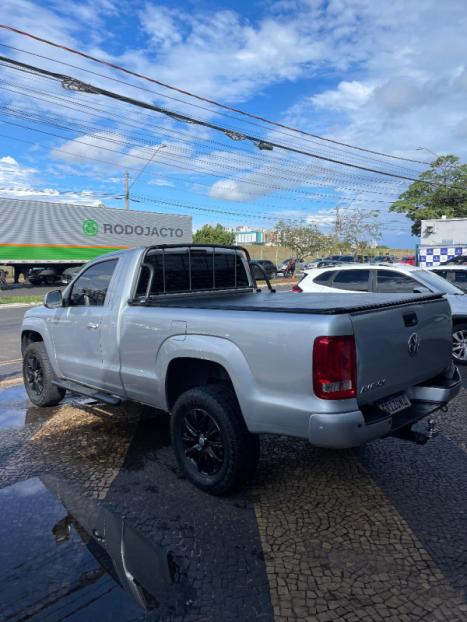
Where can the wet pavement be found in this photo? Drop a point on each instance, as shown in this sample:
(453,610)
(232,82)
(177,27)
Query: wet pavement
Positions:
(96,523)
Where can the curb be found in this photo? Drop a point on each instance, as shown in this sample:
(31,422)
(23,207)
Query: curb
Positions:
(18,305)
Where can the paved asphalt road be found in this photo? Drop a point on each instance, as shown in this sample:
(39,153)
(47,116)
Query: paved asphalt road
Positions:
(97,523)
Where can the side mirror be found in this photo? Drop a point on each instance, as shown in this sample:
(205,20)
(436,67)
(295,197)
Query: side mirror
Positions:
(421,290)
(54,299)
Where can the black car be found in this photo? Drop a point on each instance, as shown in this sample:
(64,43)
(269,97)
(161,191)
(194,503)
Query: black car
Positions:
(459,260)
(340,258)
(43,276)
(268,267)
(69,274)
(455,274)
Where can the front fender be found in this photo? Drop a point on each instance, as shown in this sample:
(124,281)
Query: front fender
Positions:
(218,350)
(39,325)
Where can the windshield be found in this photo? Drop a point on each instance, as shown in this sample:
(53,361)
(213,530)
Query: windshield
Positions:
(436,282)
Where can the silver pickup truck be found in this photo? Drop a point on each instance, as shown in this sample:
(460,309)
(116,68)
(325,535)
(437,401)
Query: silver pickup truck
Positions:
(184,329)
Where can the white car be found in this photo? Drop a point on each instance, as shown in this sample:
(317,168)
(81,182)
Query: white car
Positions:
(393,278)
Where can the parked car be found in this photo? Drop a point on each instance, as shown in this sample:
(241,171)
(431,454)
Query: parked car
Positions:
(384,259)
(183,329)
(458,260)
(409,259)
(340,258)
(397,279)
(69,274)
(268,266)
(457,275)
(313,263)
(43,276)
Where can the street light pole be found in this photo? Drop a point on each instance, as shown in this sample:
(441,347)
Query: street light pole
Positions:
(128,186)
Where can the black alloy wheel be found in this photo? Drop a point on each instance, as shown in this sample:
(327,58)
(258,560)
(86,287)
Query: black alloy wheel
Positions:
(34,375)
(39,377)
(202,442)
(212,444)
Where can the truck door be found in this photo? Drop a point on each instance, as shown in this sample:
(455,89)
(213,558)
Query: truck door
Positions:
(76,327)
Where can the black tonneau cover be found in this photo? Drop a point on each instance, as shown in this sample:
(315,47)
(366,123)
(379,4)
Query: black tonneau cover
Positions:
(287,302)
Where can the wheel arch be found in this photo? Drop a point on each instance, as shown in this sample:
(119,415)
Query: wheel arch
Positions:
(29,336)
(35,329)
(184,373)
(210,358)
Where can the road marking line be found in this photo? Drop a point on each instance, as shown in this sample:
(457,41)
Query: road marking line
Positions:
(10,382)
(10,362)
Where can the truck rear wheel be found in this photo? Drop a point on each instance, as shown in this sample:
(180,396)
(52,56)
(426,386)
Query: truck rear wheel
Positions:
(38,376)
(211,442)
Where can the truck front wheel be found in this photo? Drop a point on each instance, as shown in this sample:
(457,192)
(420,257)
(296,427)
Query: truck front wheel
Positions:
(211,442)
(38,376)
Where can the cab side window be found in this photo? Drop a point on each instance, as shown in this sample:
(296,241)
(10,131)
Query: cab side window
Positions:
(90,289)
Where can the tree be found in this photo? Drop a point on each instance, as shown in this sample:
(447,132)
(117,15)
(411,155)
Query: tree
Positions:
(214,235)
(440,191)
(357,228)
(302,238)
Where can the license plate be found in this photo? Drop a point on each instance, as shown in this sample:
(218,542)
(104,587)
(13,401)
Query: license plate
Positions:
(394,404)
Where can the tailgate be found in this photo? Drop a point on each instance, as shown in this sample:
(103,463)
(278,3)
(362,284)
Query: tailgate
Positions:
(400,345)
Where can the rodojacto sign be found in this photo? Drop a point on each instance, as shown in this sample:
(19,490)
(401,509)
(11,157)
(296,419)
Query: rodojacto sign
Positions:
(41,230)
(91,228)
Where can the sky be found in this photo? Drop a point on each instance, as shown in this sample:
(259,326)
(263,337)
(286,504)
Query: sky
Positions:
(389,77)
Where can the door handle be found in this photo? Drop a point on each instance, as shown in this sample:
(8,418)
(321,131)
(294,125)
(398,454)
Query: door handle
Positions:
(93,326)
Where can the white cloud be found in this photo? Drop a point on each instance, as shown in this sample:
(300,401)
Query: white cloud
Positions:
(412,79)
(19,182)
(347,96)
(163,183)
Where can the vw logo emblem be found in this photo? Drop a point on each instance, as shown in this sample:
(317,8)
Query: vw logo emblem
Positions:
(413,344)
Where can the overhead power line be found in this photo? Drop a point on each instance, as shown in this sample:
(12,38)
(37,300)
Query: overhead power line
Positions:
(173,160)
(294,177)
(328,148)
(72,83)
(199,97)
(325,173)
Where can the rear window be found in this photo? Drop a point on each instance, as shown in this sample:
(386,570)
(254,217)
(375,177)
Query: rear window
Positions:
(192,269)
(325,277)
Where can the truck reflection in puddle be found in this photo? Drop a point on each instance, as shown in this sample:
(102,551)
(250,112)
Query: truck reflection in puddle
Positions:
(147,571)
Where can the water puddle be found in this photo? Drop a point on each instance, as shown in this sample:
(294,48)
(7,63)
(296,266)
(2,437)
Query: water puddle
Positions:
(17,411)
(47,568)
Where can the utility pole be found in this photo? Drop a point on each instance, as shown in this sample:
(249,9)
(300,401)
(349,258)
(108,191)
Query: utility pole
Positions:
(127,191)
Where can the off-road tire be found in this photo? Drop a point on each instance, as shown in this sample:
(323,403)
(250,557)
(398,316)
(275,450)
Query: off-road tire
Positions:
(240,448)
(50,395)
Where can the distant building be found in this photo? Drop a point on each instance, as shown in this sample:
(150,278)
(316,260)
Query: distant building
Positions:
(249,237)
(441,239)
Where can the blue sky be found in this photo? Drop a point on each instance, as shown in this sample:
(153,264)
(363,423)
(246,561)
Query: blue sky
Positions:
(389,77)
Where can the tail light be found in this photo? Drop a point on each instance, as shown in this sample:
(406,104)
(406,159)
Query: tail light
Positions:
(297,289)
(334,367)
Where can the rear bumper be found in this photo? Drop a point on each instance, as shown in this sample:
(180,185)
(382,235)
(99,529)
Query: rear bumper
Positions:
(350,429)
